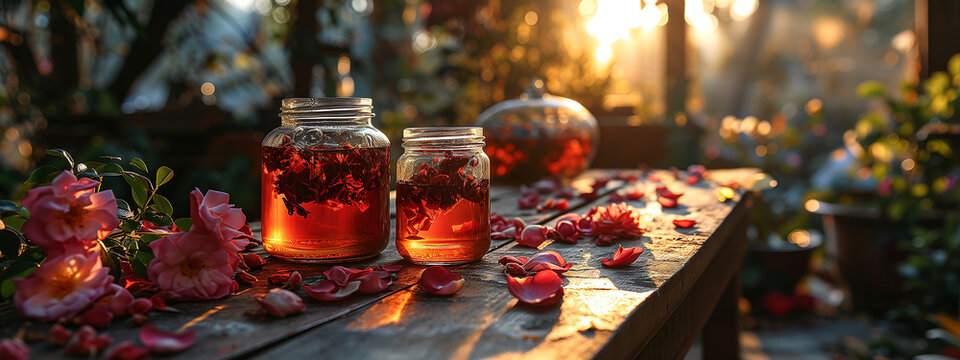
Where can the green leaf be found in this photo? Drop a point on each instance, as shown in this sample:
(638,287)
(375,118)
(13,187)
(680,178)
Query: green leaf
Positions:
(137,189)
(123,209)
(111,170)
(19,270)
(184,224)
(96,165)
(164,175)
(163,205)
(871,88)
(11,243)
(130,225)
(138,162)
(7,205)
(149,238)
(156,218)
(15,221)
(43,174)
(63,154)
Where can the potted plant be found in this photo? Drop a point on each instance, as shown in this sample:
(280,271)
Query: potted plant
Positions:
(898,173)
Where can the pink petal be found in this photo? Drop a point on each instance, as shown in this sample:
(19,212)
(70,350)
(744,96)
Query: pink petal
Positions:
(120,302)
(545,288)
(328,290)
(127,351)
(547,260)
(440,281)
(162,342)
(533,236)
(515,269)
(623,257)
(253,261)
(98,316)
(59,335)
(341,275)
(14,349)
(374,282)
(281,303)
(141,306)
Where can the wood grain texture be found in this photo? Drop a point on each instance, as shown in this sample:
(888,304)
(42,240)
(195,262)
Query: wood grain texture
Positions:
(225,327)
(606,313)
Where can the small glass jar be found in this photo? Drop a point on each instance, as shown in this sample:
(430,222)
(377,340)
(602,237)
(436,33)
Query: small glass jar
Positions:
(443,196)
(324,183)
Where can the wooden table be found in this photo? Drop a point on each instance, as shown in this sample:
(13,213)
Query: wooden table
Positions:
(685,284)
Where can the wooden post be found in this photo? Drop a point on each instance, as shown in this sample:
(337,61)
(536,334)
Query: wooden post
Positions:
(937,33)
(676,64)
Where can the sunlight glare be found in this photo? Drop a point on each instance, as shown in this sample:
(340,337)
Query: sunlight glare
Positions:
(245,5)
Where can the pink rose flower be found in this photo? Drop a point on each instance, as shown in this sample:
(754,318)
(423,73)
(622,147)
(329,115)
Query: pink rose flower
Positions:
(14,349)
(213,213)
(69,214)
(193,266)
(62,287)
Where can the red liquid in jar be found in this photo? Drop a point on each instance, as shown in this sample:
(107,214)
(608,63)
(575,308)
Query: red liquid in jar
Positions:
(323,205)
(443,216)
(516,158)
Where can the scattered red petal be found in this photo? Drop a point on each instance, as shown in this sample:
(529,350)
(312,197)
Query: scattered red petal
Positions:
(546,185)
(373,282)
(440,281)
(693,180)
(515,269)
(623,257)
(529,201)
(547,260)
(127,351)
(612,221)
(163,342)
(503,229)
(667,202)
(140,306)
(253,261)
(328,290)
(654,178)
(341,275)
(99,316)
(246,277)
(119,301)
(565,231)
(662,191)
(14,349)
(567,192)
(506,259)
(684,223)
(59,335)
(605,239)
(533,236)
(281,303)
(804,302)
(86,342)
(544,288)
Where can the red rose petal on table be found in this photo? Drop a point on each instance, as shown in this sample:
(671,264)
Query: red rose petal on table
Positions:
(515,269)
(99,316)
(533,236)
(565,231)
(544,288)
(507,259)
(373,282)
(634,195)
(684,223)
(141,306)
(59,335)
(667,202)
(253,261)
(440,281)
(341,275)
(86,342)
(567,193)
(328,290)
(547,260)
(693,180)
(573,217)
(281,303)
(662,191)
(623,257)
(127,351)
(163,342)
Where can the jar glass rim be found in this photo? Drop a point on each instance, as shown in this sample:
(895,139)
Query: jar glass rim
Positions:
(438,136)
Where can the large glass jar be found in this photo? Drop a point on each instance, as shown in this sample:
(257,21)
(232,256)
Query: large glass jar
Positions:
(539,135)
(324,185)
(443,196)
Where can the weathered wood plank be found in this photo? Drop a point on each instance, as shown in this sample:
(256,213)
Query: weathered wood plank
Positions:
(605,312)
(225,328)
